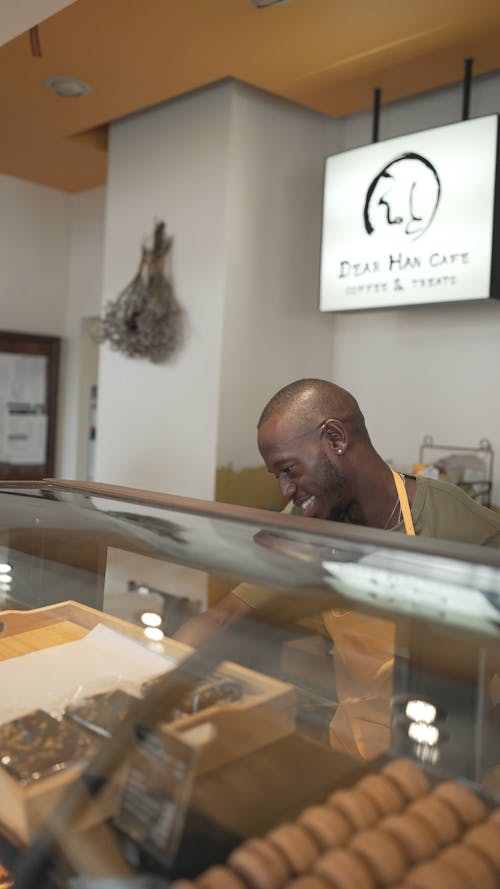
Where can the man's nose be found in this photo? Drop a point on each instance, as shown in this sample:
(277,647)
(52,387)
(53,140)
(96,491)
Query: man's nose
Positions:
(287,487)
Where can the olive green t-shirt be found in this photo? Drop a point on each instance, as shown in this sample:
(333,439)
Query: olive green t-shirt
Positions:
(445,512)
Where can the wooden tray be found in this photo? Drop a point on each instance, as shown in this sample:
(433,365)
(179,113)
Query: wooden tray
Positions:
(265,713)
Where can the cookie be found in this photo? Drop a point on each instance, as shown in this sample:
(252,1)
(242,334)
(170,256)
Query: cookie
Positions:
(273,856)
(471,863)
(495,815)
(345,869)
(436,875)
(327,826)
(439,816)
(218,877)
(260,865)
(414,835)
(410,779)
(309,881)
(486,839)
(296,845)
(467,804)
(382,853)
(383,792)
(356,806)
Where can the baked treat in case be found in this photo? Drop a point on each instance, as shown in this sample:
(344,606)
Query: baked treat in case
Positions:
(383,792)
(36,745)
(328,827)
(260,865)
(467,804)
(440,816)
(383,854)
(214,690)
(356,806)
(400,826)
(410,779)
(218,877)
(471,863)
(296,845)
(414,835)
(101,713)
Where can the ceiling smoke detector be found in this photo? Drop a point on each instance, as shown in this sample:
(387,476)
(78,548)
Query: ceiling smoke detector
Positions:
(260,4)
(68,87)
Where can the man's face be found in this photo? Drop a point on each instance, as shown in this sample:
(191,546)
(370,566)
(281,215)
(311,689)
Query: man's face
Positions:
(304,464)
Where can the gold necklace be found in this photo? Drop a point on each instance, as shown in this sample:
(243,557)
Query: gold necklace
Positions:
(393,510)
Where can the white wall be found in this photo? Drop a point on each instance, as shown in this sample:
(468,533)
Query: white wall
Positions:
(237,176)
(80,354)
(157,424)
(34,257)
(34,247)
(273,332)
(50,279)
(429,370)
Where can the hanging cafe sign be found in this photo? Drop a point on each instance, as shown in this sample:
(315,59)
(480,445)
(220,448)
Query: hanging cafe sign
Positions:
(412,220)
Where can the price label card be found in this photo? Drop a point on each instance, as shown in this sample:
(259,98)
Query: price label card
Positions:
(157,792)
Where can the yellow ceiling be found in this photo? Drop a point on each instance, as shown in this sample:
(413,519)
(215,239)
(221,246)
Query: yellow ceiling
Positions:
(325,54)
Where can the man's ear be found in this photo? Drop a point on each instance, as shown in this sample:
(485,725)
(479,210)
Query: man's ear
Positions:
(335,435)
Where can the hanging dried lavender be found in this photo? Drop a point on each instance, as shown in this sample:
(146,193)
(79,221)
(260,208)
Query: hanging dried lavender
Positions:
(145,320)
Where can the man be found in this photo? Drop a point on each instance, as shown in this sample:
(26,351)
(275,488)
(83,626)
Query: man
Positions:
(312,437)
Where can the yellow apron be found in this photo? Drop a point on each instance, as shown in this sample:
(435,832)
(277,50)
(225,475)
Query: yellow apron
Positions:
(363,655)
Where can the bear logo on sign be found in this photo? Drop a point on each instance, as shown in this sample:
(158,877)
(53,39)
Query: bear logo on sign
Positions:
(403,197)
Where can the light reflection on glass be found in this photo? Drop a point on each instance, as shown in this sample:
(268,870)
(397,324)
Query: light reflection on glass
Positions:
(5,568)
(154,633)
(423,733)
(427,753)
(150,619)
(421,711)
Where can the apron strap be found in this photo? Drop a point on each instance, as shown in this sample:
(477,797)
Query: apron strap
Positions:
(404,503)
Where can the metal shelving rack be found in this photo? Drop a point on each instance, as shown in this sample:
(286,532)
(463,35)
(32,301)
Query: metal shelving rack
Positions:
(481,488)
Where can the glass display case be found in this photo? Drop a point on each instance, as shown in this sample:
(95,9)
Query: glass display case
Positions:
(338,726)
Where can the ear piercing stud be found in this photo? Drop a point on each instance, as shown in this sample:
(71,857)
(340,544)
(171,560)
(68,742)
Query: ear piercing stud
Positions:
(340,450)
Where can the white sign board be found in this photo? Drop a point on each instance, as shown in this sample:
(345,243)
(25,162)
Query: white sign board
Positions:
(411,220)
(23,410)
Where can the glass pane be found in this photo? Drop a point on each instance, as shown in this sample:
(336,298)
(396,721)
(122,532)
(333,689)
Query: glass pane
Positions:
(350,649)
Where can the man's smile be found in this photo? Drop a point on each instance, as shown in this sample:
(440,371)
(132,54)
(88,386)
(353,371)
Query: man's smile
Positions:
(307,505)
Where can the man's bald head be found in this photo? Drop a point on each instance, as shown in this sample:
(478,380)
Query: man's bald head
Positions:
(315,401)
